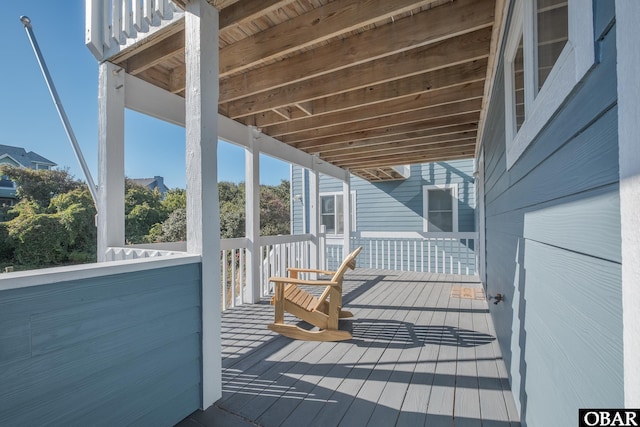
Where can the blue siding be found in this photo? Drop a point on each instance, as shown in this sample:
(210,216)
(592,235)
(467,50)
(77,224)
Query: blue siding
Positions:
(297,214)
(112,350)
(553,248)
(397,205)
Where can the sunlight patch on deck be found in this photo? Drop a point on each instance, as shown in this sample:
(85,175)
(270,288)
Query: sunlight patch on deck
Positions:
(467,292)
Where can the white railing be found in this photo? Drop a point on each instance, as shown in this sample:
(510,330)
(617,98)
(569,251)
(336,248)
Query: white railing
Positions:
(145,251)
(233,255)
(451,253)
(281,252)
(113,25)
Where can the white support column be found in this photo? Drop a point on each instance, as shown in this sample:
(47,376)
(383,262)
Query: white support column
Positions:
(627,40)
(111,92)
(346,204)
(252,209)
(203,210)
(314,217)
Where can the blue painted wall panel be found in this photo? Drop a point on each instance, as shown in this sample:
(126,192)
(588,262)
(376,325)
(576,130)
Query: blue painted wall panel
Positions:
(96,351)
(398,205)
(553,248)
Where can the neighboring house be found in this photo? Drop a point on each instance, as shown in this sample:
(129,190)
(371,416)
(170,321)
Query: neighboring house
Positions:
(18,157)
(152,183)
(436,201)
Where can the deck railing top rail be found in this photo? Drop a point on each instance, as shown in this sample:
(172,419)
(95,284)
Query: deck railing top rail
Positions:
(114,25)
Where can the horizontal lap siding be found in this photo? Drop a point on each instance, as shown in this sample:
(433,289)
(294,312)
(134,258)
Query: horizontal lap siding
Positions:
(297,215)
(553,248)
(112,350)
(397,205)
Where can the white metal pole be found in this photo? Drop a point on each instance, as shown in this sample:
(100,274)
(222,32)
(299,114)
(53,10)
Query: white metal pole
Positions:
(63,115)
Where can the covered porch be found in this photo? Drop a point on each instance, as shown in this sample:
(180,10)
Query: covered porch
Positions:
(424,352)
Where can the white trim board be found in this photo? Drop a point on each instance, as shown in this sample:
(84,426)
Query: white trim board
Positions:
(148,99)
(576,59)
(627,39)
(454,204)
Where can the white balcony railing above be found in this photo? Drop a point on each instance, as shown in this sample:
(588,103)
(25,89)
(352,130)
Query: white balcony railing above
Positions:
(113,25)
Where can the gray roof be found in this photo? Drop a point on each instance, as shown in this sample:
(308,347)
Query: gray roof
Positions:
(26,159)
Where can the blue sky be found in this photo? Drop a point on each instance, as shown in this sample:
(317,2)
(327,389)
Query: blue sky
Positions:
(28,117)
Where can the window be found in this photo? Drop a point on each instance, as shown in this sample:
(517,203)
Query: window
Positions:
(440,203)
(549,49)
(6,182)
(332,212)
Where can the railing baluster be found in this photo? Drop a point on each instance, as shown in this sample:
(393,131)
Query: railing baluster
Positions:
(127,19)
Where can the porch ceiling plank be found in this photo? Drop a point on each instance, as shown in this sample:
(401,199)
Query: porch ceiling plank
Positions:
(245,11)
(176,76)
(157,76)
(448,111)
(156,53)
(438,24)
(443,155)
(423,86)
(313,27)
(415,146)
(435,135)
(396,129)
(457,50)
(465,146)
(363,85)
(383,109)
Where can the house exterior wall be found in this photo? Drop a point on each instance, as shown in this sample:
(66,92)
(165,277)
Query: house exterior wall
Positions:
(553,247)
(110,350)
(395,205)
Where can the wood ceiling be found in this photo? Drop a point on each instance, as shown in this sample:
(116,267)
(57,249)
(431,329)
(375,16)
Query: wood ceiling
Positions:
(363,84)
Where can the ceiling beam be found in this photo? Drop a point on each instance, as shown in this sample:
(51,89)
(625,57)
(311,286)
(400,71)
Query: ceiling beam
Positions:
(414,147)
(457,50)
(437,134)
(316,26)
(424,85)
(446,21)
(156,53)
(413,144)
(248,10)
(396,129)
(403,159)
(393,107)
(448,111)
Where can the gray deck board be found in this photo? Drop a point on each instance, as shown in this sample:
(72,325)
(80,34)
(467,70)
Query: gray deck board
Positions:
(417,357)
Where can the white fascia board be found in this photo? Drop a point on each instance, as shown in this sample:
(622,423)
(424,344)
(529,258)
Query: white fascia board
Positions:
(148,99)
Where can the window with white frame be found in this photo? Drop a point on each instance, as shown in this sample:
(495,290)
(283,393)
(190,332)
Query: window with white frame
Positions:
(440,204)
(332,212)
(549,49)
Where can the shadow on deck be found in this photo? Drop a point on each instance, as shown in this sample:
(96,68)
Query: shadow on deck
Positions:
(418,356)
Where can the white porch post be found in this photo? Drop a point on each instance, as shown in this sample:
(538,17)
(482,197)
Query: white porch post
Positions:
(346,205)
(252,223)
(203,210)
(314,217)
(110,158)
(627,39)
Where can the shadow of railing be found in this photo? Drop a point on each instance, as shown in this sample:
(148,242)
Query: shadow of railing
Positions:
(398,334)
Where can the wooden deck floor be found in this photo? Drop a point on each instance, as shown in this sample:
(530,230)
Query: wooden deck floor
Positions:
(418,357)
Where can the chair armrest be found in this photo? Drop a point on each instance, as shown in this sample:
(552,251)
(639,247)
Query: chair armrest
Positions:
(303,282)
(310,270)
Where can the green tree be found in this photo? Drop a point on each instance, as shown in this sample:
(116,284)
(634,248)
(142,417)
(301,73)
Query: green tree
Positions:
(40,185)
(38,238)
(274,209)
(76,213)
(143,209)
